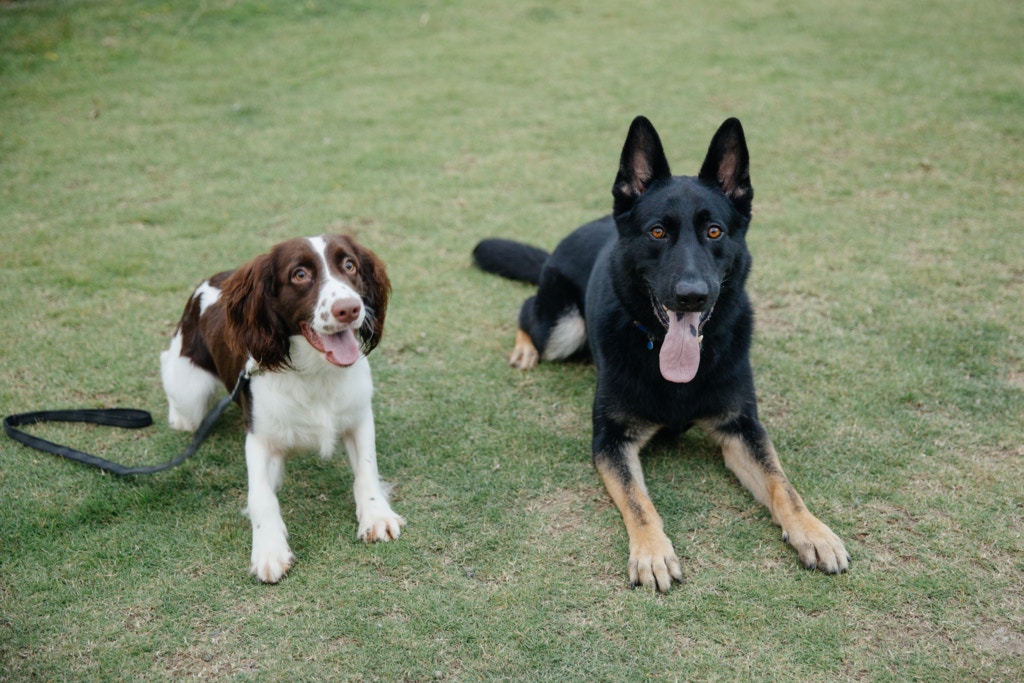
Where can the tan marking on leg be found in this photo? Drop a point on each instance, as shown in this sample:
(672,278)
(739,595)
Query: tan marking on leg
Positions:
(816,544)
(524,353)
(652,558)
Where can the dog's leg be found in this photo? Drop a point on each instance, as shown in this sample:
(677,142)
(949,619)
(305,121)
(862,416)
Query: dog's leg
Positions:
(524,353)
(377,521)
(749,453)
(551,324)
(189,388)
(652,558)
(271,556)
(567,336)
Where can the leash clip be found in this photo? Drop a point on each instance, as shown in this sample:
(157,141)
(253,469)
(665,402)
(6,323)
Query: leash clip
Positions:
(252,368)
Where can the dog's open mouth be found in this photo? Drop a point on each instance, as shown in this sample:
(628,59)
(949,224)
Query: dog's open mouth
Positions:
(340,349)
(679,358)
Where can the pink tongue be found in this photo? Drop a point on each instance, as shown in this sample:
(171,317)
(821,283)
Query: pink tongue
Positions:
(680,352)
(342,348)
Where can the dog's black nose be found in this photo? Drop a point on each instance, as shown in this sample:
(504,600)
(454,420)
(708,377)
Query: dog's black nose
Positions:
(691,294)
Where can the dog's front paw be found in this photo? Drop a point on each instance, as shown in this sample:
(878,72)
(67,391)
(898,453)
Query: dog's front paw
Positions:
(817,546)
(271,559)
(653,562)
(383,526)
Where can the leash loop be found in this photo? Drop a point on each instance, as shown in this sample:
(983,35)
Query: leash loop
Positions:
(125,418)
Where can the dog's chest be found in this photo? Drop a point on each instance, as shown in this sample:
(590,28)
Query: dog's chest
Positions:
(311,410)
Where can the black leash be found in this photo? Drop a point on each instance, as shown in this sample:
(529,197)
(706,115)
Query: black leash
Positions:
(126,418)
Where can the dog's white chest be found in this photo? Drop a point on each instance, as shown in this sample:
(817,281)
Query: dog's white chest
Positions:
(311,408)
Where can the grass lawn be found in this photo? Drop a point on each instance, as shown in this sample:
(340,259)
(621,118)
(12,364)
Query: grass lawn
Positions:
(146,145)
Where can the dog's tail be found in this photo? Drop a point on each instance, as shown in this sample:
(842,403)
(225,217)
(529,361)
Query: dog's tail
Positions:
(514,260)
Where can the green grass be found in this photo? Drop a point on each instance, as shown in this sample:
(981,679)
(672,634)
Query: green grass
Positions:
(146,145)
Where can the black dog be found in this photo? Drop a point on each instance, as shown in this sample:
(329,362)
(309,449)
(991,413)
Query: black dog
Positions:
(655,293)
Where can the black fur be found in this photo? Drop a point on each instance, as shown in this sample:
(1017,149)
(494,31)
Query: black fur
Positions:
(607,270)
(674,246)
(510,259)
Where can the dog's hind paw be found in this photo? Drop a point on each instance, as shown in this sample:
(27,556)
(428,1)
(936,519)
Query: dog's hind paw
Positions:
(817,545)
(179,422)
(524,354)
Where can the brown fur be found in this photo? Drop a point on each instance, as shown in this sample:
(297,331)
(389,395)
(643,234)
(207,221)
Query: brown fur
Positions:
(262,304)
(260,308)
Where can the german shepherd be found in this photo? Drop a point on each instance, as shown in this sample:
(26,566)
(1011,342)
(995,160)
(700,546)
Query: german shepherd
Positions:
(655,293)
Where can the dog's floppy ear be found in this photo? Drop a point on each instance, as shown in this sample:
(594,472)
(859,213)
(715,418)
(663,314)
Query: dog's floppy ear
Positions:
(641,164)
(375,298)
(252,327)
(727,165)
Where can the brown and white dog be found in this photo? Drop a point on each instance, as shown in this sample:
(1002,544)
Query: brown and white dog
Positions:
(302,318)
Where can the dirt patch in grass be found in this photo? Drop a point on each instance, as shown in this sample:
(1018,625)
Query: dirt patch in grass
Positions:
(999,640)
(563,511)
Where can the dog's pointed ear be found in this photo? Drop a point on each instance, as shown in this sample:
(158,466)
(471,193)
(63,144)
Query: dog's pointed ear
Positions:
(642,163)
(727,165)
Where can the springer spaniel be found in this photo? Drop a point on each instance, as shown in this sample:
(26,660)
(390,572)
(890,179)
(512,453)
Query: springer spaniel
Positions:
(302,318)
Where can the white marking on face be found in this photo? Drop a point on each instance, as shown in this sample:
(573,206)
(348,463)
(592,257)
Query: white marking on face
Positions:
(332,289)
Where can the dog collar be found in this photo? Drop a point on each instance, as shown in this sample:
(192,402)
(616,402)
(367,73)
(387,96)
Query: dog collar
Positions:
(650,337)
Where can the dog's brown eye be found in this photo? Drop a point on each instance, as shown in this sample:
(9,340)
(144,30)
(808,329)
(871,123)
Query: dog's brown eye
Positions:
(300,275)
(714,232)
(348,265)
(658,232)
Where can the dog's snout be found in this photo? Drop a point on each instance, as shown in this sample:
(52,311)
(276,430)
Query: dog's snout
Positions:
(346,310)
(691,294)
